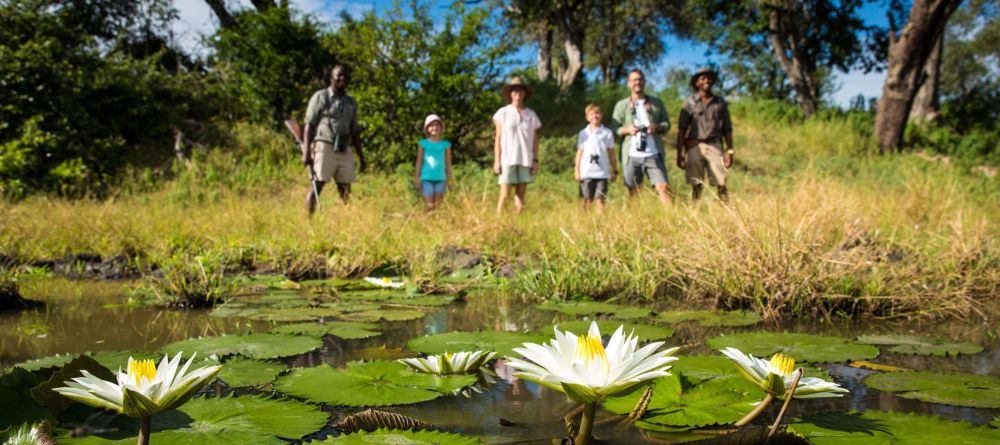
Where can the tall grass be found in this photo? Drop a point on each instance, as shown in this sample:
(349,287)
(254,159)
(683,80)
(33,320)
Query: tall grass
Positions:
(818,227)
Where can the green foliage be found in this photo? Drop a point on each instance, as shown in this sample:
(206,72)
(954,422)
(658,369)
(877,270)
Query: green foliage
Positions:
(880,427)
(501,342)
(710,318)
(644,332)
(257,346)
(801,347)
(407,64)
(241,372)
(912,344)
(977,391)
(190,281)
(342,329)
(391,437)
(16,404)
(55,402)
(678,402)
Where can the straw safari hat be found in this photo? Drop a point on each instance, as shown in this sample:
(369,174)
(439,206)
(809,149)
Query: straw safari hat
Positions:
(703,72)
(514,83)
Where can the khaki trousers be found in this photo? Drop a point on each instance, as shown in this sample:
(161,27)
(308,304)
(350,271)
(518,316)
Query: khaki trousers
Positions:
(704,159)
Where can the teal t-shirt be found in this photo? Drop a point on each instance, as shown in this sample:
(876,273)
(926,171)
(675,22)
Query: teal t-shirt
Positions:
(434,158)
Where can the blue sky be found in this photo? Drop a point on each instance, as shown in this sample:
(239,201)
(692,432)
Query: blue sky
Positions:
(196,20)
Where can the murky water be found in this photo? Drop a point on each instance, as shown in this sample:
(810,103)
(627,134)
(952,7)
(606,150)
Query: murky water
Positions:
(84,317)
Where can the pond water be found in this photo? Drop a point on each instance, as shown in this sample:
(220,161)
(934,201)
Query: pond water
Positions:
(91,316)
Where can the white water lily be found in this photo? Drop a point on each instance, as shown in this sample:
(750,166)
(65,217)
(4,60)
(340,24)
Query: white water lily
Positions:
(776,376)
(586,370)
(385,282)
(464,362)
(144,389)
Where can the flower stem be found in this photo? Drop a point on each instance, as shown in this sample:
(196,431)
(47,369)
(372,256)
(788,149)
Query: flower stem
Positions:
(756,411)
(586,424)
(144,426)
(788,399)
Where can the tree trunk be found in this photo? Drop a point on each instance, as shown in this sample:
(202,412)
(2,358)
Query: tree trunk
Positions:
(226,19)
(574,62)
(908,54)
(262,5)
(790,58)
(544,54)
(573,35)
(926,103)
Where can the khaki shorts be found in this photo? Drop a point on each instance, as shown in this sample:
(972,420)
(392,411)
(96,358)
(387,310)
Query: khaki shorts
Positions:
(702,159)
(328,164)
(515,174)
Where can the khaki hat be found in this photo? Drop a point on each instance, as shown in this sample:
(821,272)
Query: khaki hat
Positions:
(514,83)
(430,119)
(703,72)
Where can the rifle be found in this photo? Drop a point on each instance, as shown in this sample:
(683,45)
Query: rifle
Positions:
(296,130)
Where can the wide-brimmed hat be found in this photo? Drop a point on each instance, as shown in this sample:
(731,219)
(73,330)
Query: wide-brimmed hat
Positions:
(431,118)
(515,82)
(704,72)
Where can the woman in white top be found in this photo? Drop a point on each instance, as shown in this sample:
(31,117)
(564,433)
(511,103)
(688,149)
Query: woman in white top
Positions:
(515,146)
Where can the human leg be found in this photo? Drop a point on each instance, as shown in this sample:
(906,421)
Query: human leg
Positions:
(519,192)
(504,190)
(694,171)
(655,169)
(632,174)
(312,198)
(344,190)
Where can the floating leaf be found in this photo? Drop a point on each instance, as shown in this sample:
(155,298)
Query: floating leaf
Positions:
(676,401)
(978,391)
(338,283)
(801,347)
(16,404)
(378,383)
(52,361)
(912,344)
(378,294)
(240,372)
(880,427)
(221,421)
(645,332)
(348,330)
(703,367)
(875,366)
(710,318)
(578,308)
(293,314)
(57,403)
(398,437)
(117,360)
(385,315)
(501,342)
(263,282)
(422,300)
(258,346)
(351,306)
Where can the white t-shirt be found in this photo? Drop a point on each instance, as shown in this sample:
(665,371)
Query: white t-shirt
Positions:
(642,120)
(517,135)
(595,143)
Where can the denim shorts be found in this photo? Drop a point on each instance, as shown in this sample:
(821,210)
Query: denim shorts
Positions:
(431,188)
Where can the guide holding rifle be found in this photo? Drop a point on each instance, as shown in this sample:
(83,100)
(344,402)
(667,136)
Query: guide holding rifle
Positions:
(332,137)
(704,127)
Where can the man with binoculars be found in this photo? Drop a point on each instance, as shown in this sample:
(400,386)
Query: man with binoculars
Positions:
(642,122)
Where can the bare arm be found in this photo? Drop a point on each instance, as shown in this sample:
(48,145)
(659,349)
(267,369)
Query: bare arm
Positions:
(534,156)
(420,165)
(447,167)
(614,163)
(498,128)
(576,165)
(308,135)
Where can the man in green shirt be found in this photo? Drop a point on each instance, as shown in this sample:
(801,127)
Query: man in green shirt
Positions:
(332,137)
(642,122)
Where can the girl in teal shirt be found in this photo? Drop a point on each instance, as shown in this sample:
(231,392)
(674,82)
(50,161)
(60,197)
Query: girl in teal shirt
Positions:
(433,171)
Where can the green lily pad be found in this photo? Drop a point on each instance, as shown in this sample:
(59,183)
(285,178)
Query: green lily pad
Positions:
(377,294)
(996,422)
(645,332)
(266,282)
(337,283)
(881,427)
(16,404)
(52,361)
(57,403)
(397,437)
(258,346)
(710,318)
(912,344)
(501,342)
(376,383)
(385,315)
(348,330)
(422,300)
(703,367)
(241,372)
(579,308)
(351,306)
(118,360)
(677,401)
(978,391)
(801,347)
(221,421)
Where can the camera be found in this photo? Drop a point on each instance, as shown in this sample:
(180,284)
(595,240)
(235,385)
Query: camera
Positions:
(640,132)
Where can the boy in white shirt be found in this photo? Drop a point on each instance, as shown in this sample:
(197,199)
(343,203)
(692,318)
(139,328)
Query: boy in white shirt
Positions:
(595,160)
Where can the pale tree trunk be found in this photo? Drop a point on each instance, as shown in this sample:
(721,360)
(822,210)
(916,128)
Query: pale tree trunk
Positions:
(574,62)
(908,54)
(926,103)
(544,54)
(572,33)
(790,57)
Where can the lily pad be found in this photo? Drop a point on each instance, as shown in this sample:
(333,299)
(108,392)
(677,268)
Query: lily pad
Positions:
(397,437)
(912,344)
(52,361)
(801,347)
(348,330)
(385,315)
(677,401)
(422,300)
(978,391)
(118,360)
(703,367)
(710,318)
(241,372)
(293,314)
(499,341)
(222,421)
(579,308)
(881,427)
(258,346)
(376,383)
(377,294)
(263,282)
(645,332)
(16,404)
(57,403)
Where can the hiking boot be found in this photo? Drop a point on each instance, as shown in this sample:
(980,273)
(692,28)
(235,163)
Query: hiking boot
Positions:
(310,203)
(723,195)
(696,192)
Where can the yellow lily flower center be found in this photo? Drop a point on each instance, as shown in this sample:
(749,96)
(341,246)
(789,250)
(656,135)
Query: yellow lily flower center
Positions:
(589,348)
(386,280)
(783,363)
(141,368)
(448,356)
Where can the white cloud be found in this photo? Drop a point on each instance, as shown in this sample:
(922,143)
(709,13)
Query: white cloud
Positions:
(857,82)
